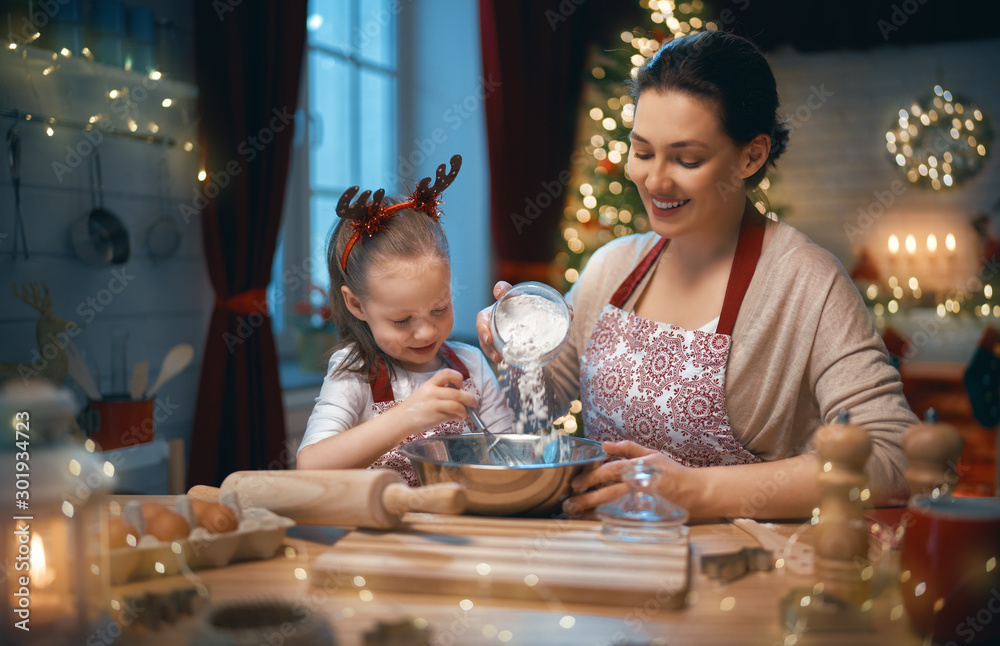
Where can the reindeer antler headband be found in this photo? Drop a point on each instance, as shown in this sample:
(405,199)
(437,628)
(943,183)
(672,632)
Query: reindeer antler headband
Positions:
(370,218)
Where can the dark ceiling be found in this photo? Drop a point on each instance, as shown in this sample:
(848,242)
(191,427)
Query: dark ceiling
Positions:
(821,25)
(824,25)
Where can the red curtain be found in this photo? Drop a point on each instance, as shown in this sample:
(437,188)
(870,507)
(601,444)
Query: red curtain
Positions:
(249,57)
(535,49)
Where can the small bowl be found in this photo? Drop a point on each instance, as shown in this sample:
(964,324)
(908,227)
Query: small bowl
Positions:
(530,489)
(530,289)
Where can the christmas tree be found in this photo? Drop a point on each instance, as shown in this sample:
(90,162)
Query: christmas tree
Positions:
(602,203)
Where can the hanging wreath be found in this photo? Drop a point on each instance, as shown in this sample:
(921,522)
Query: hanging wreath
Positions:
(941,140)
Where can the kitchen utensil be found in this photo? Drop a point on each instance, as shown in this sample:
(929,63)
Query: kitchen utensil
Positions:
(494,448)
(80,373)
(554,562)
(178,357)
(798,556)
(140,379)
(164,234)
(99,237)
(735,565)
(119,360)
(375,498)
(14,157)
(497,490)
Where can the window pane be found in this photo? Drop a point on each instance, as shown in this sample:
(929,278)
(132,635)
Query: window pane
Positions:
(329,24)
(324,217)
(375,37)
(378,130)
(331,105)
(276,289)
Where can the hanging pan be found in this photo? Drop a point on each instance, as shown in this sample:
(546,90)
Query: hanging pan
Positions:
(99,237)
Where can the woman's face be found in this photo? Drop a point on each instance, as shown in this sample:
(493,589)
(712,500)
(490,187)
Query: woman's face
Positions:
(689,172)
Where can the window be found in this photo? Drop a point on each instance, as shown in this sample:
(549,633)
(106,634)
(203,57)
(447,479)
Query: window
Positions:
(350,136)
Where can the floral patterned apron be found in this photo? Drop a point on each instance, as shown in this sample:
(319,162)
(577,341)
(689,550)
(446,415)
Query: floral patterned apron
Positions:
(384,400)
(660,385)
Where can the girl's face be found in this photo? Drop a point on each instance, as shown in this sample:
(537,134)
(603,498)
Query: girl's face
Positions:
(408,308)
(688,170)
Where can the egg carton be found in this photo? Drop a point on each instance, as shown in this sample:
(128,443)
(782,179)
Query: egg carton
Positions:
(259,535)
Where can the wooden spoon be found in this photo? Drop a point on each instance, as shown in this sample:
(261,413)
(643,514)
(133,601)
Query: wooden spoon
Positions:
(176,360)
(140,379)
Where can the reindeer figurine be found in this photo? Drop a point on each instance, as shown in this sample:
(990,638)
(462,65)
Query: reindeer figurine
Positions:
(52,334)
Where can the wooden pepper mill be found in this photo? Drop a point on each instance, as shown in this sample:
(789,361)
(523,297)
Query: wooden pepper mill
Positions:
(932,451)
(837,602)
(842,533)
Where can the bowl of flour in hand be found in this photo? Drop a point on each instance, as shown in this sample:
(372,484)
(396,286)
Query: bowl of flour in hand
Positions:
(530,324)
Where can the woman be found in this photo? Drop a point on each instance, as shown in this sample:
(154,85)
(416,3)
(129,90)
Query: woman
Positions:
(716,344)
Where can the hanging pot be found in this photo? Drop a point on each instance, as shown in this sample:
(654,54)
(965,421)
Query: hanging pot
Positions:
(99,237)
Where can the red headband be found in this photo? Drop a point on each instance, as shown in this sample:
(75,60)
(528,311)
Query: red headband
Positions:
(370,218)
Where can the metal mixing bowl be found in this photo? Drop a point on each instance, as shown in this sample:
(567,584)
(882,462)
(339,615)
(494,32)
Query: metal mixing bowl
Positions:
(535,488)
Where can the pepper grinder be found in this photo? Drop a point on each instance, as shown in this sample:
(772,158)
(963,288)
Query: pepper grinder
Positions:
(840,601)
(932,451)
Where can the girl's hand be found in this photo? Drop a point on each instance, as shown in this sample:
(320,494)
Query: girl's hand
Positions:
(483,323)
(607,485)
(438,401)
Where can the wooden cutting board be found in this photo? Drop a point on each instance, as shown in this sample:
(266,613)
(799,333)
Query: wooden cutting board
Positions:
(565,561)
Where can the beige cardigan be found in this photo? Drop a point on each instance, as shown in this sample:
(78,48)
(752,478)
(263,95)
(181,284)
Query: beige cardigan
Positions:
(804,347)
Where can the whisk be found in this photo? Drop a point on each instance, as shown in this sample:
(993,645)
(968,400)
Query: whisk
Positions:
(495,448)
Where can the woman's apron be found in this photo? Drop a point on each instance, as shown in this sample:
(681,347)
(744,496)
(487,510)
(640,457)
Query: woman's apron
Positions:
(660,385)
(383,400)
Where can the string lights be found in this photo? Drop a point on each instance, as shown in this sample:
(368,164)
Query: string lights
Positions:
(940,141)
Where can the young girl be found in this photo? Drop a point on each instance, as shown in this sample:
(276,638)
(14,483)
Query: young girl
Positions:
(392,378)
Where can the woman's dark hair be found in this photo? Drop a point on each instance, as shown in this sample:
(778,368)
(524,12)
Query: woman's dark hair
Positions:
(410,234)
(730,72)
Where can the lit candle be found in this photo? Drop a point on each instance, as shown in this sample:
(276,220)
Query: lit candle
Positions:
(911,244)
(893,244)
(932,243)
(949,242)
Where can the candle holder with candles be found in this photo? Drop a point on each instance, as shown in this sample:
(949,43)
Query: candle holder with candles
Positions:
(53,522)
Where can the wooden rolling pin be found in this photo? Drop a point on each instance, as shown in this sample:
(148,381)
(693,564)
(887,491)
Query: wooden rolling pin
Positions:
(373,498)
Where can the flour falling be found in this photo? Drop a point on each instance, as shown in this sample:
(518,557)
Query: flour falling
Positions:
(531,329)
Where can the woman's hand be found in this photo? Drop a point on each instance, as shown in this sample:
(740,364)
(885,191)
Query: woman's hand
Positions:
(604,483)
(483,323)
(438,401)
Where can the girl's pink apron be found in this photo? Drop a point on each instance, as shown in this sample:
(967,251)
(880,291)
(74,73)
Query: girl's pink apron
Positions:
(384,400)
(660,385)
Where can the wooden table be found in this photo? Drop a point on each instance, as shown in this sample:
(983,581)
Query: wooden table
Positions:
(745,611)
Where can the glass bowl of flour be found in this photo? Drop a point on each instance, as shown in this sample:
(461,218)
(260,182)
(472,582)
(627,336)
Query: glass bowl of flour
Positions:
(530,324)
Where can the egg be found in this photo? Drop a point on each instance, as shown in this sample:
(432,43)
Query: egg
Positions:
(151,510)
(167,526)
(121,533)
(215,518)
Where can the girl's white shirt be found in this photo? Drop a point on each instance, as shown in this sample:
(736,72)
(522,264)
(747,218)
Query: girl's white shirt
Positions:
(346,401)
